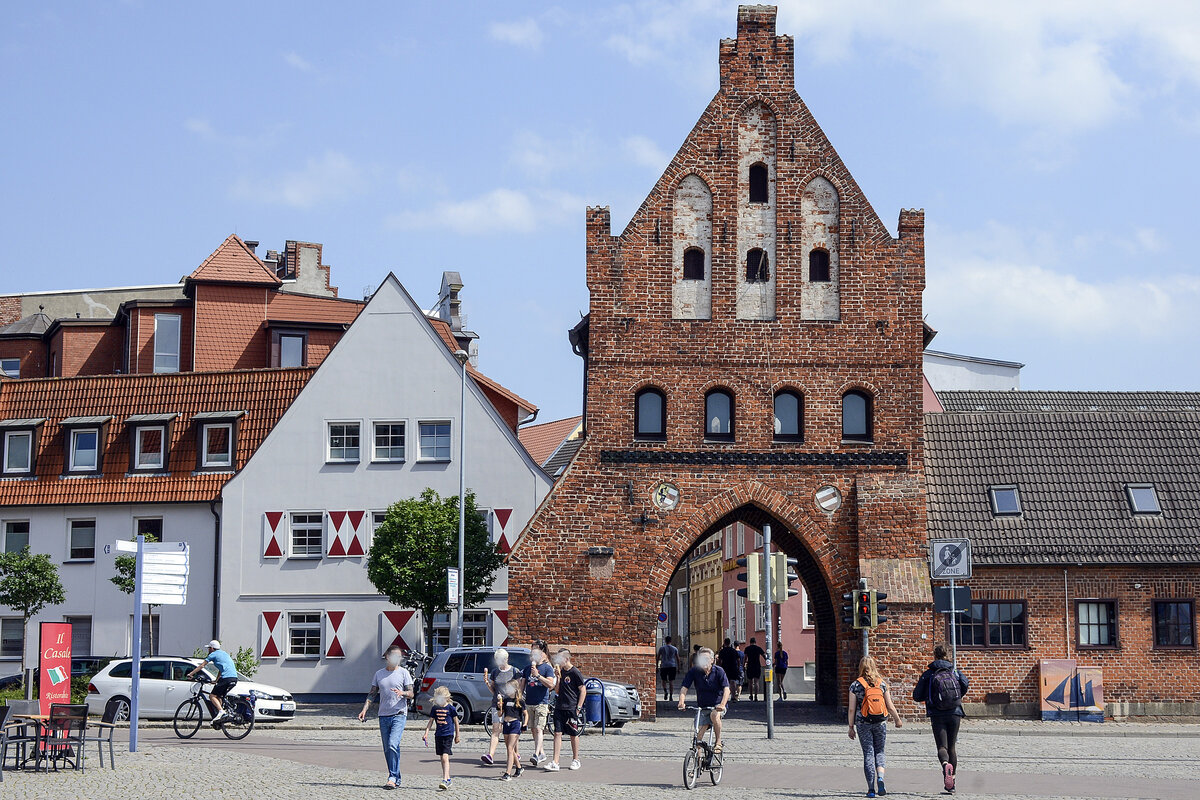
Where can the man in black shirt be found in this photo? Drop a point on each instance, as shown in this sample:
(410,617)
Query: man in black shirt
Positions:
(755,658)
(712,692)
(568,709)
(730,661)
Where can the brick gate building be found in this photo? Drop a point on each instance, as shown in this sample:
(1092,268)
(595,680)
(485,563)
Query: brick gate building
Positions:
(754,339)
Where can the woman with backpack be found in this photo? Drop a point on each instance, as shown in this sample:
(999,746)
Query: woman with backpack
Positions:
(942,688)
(870,706)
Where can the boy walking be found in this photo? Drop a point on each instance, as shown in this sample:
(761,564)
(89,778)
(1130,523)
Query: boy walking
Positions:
(755,657)
(445,721)
(668,666)
(942,688)
(568,710)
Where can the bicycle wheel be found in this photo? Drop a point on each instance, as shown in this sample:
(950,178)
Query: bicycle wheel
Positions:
(187,718)
(241,724)
(691,769)
(714,768)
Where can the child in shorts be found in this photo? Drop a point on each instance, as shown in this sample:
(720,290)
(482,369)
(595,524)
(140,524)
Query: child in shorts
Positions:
(445,717)
(514,715)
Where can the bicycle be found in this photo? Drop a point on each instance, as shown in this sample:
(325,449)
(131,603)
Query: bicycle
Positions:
(417,663)
(190,714)
(701,757)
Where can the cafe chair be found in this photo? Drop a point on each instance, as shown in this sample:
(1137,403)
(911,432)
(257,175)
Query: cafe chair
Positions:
(62,738)
(104,731)
(17,733)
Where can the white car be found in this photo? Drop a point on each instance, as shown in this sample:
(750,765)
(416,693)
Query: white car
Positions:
(164,685)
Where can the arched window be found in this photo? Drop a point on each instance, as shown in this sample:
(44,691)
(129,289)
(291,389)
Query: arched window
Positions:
(857,422)
(650,415)
(818,265)
(718,415)
(758,183)
(757,268)
(789,416)
(693,264)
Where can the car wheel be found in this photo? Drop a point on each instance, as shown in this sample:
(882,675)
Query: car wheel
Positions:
(618,724)
(460,705)
(122,704)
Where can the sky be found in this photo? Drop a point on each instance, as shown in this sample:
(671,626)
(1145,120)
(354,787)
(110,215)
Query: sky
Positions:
(1052,145)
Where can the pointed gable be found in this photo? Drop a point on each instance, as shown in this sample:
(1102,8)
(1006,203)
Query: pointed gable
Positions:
(233,262)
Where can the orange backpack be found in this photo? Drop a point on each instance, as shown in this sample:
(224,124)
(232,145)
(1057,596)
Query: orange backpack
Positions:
(874,708)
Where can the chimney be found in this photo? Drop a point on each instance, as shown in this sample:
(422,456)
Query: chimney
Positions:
(251,243)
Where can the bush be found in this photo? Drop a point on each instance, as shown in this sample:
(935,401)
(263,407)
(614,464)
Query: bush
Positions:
(78,692)
(244,659)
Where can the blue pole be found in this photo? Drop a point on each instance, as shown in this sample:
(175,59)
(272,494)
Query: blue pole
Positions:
(137,646)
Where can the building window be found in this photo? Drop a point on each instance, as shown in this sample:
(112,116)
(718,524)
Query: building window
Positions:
(1174,623)
(166,342)
(389,441)
(718,415)
(475,624)
(377,518)
(343,442)
(292,349)
(857,422)
(16,535)
(991,624)
(12,631)
(151,638)
(650,415)
(306,536)
(18,452)
(1142,498)
(82,540)
(441,634)
(759,190)
(1006,501)
(150,447)
(150,527)
(758,270)
(85,449)
(81,635)
(693,264)
(218,445)
(818,266)
(304,635)
(789,416)
(1096,623)
(11,367)
(435,441)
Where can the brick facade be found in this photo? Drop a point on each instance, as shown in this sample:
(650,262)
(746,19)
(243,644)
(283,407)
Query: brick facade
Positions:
(639,334)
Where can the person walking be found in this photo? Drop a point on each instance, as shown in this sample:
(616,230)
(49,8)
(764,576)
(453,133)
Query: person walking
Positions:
(497,677)
(668,666)
(781,668)
(444,720)
(755,658)
(695,652)
(539,680)
(568,709)
(392,688)
(712,692)
(730,661)
(513,714)
(942,688)
(870,705)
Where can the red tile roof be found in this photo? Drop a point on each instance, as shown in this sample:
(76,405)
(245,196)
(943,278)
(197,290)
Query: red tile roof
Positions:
(543,440)
(234,262)
(263,394)
(285,307)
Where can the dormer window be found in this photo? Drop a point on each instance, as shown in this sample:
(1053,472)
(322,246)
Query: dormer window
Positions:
(818,266)
(166,342)
(85,449)
(1006,501)
(150,447)
(18,452)
(216,444)
(1142,498)
(758,270)
(759,190)
(693,264)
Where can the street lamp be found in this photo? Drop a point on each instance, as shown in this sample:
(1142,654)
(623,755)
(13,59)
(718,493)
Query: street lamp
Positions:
(462,357)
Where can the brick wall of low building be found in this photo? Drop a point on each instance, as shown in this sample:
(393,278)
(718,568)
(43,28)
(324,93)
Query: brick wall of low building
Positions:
(140,338)
(92,350)
(32,352)
(10,309)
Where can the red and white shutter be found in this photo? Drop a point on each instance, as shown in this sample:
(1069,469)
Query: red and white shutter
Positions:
(273,534)
(498,623)
(399,627)
(356,527)
(335,545)
(333,623)
(503,542)
(270,634)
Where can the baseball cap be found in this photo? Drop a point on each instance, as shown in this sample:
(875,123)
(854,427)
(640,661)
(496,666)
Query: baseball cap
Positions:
(214,645)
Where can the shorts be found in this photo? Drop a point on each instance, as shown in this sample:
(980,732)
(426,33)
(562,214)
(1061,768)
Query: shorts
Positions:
(512,726)
(539,715)
(222,687)
(707,712)
(567,721)
(444,745)
(668,673)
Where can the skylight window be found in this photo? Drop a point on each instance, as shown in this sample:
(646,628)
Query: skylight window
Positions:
(1006,501)
(1142,498)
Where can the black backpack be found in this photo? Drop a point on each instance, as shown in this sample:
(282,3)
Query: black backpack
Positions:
(945,692)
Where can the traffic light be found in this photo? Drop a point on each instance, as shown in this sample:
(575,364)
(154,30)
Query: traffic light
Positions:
(752,577)
(782,575)
(848,609)
(862,609)
(877,608)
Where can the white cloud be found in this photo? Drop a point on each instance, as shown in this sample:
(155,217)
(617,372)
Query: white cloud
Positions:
(330,178)
(525,33)
(540,156)
(205,130)
(296,61)
(498,211)
(645,152)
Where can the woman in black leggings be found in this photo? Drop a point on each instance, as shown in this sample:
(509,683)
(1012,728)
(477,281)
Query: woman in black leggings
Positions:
(942,688)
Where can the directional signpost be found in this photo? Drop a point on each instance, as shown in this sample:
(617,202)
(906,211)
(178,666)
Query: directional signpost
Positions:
(950,559)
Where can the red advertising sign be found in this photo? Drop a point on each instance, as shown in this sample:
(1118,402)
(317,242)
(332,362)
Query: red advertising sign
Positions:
(54,664)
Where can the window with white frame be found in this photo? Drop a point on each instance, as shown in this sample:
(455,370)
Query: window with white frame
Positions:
(306,535)
(435,441)
(343,442)
(377,518)
(16,535)
(810,619)
(85,449)
(475,624)
(728,542)
(741,618)
(304,634)
(485,516)
(81,635)
(81,535)
(18,452)
(291,350)
(741,539)
(760,616)
(11,632)
(166,342)
(441,632)
(150,447)
(11,367)
(216,445)
(150,527)
(389,442)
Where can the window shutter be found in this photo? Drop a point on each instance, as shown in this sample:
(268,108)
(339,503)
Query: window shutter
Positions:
(358,533)
(269,629)
(335,545)
(333,622)
(272,543)
(394,625)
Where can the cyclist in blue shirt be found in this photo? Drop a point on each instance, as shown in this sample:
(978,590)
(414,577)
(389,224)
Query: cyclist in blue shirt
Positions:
(227,677)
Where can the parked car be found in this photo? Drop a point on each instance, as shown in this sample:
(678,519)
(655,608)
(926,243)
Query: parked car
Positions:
(164,685)
(460,670)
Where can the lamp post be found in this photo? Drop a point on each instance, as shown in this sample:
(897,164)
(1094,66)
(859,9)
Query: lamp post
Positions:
(462,357)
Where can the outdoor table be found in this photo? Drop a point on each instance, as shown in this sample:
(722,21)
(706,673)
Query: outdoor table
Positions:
(40,721)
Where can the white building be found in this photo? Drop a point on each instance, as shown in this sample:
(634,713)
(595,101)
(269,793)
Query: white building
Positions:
(953,372)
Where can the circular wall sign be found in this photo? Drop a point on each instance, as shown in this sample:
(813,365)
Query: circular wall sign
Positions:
(829,499)
(665,496)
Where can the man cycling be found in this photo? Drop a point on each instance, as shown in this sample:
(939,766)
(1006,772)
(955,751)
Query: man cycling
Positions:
(227,677)
(712,692)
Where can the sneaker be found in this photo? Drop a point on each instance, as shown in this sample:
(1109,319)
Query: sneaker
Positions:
(551,766)
(575,764)
(517,772)
(537,760)
(870,792)
(443,786)
(881,788)
(506,777)
(948,776)
(485,758)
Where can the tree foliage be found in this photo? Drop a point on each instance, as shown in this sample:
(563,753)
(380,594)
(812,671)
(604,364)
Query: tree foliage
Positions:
(418,541)
(29,583)
(245,659)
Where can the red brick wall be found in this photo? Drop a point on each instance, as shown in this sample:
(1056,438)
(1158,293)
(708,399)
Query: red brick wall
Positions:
(320,342)
(32,352)
(556,591)
(230,330)
(10,309)
(92,350)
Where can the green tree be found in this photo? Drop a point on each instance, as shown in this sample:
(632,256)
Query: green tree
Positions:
(126,578)
(415,544)
(29,583)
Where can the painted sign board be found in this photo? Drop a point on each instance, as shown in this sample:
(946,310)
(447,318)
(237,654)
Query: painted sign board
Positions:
(54,664)
(1071,692)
